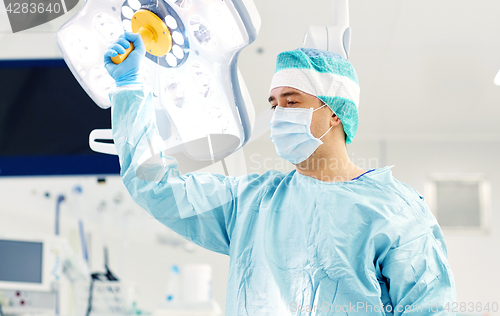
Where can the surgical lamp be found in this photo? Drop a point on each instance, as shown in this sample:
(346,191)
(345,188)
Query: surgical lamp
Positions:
(203,109)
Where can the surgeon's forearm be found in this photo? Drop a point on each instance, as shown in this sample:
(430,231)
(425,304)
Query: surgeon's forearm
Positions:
(137,140)
(197,206)
(132,120)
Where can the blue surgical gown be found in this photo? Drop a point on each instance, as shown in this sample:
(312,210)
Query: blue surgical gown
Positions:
(297,245)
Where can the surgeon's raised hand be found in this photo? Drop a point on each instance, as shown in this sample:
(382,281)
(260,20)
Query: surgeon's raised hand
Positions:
(126,72)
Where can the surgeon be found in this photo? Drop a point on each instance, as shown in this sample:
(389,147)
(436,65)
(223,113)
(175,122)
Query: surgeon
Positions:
(327,238)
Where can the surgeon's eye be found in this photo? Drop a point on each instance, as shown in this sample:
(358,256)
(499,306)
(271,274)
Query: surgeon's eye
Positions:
(291,103)
(273,107)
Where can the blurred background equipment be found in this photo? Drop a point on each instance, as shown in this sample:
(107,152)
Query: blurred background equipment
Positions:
(189,292)
(31,273)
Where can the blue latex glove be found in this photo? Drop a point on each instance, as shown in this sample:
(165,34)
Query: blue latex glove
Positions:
(127,72)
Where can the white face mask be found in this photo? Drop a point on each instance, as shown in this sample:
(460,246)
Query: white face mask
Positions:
(291,133)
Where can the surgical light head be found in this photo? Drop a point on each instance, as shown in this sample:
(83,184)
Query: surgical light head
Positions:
(199,96)
(325,75)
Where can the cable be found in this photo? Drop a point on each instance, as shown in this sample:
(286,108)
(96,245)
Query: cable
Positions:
(60,199)
(83,241)
(94,276)
(109,275)
(98,277)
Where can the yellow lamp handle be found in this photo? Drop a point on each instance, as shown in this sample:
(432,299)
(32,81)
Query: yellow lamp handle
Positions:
(118,59)
(147,37)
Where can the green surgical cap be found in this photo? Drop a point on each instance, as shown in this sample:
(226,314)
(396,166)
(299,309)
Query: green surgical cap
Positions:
(325,75)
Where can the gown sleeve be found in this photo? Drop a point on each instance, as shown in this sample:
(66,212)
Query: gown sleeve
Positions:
(415,268)
(198,206)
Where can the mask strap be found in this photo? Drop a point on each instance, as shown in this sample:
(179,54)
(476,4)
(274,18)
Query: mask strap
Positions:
(326,132)
(324,104)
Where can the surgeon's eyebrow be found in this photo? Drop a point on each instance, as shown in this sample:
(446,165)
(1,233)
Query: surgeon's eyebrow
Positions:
(284,95)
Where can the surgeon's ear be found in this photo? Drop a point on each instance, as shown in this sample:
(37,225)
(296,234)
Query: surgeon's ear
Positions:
(335,120)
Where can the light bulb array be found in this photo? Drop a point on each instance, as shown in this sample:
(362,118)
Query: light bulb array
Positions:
(180,43)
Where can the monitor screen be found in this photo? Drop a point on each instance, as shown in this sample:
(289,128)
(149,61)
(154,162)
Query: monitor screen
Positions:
(21,261)
(45,121)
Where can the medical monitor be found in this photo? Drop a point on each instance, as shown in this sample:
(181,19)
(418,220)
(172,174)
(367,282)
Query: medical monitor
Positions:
(24,264)
(45,121)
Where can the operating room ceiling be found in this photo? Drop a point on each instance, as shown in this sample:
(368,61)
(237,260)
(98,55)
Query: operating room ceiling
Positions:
(425,67)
